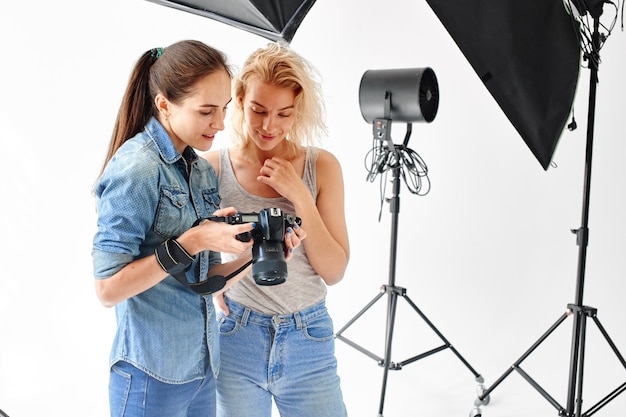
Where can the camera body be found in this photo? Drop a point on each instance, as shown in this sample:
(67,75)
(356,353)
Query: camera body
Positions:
(268,250)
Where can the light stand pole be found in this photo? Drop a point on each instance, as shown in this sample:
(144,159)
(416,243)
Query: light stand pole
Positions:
(578,310)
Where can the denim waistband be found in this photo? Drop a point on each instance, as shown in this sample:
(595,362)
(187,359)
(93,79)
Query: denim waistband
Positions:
(245,315)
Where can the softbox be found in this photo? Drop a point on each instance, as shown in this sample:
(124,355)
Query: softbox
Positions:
(527,54)
(275,20)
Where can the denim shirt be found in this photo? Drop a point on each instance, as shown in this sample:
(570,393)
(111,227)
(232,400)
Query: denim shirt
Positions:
(144,197)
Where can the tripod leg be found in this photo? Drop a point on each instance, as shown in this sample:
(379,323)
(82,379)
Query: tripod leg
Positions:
(339,334)
(577,360)
(581,365)
(360,313)
(441,336)
(609,340)
(516,366)
(589,311)
(391,316)
(573,364)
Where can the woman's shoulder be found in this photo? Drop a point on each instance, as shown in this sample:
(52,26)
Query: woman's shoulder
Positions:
(137,157)
(324,157)
(328,169)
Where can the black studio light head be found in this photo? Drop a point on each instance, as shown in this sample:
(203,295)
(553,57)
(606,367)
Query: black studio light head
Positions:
(402,95)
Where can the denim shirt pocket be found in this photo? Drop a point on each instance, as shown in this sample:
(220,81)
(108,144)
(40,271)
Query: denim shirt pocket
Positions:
(211,199)
(170,214)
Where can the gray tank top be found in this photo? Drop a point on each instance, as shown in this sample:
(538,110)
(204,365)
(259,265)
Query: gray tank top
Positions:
(303,287)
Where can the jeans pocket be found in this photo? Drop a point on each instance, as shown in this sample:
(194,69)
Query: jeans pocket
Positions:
(320,330)
(119,389)
(227,325)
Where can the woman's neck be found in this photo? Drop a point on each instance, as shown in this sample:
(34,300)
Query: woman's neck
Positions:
(286,150)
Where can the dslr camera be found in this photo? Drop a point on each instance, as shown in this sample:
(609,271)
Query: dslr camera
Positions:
(268,250)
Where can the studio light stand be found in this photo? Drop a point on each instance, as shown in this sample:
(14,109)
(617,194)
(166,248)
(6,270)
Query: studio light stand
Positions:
(415,98)
(577,310)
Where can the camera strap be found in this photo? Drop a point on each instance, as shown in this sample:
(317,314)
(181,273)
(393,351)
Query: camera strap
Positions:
(211,284)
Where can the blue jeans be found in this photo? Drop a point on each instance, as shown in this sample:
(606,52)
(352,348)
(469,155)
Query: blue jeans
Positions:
(290,358)
(133,393)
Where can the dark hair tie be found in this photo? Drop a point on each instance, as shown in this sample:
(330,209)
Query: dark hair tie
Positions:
(155,53)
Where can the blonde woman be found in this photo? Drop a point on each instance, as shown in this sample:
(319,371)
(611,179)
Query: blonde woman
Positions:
(278,341)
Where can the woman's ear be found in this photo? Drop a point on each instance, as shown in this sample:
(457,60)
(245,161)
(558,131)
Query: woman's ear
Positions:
(162,105)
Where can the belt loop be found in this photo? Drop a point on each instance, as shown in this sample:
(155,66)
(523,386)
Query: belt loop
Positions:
(298,319)
(244,316)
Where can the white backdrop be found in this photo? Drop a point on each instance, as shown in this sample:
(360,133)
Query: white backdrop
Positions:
(487,255)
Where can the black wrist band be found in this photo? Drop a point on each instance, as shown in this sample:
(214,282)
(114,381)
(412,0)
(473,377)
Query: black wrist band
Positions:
(172,257)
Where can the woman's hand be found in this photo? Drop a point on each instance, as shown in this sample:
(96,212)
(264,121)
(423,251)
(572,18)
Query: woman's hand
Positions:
(220,304)
(217,236)
(293,237)
(280,174)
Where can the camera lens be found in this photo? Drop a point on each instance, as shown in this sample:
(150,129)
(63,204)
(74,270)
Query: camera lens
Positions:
(269,266)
